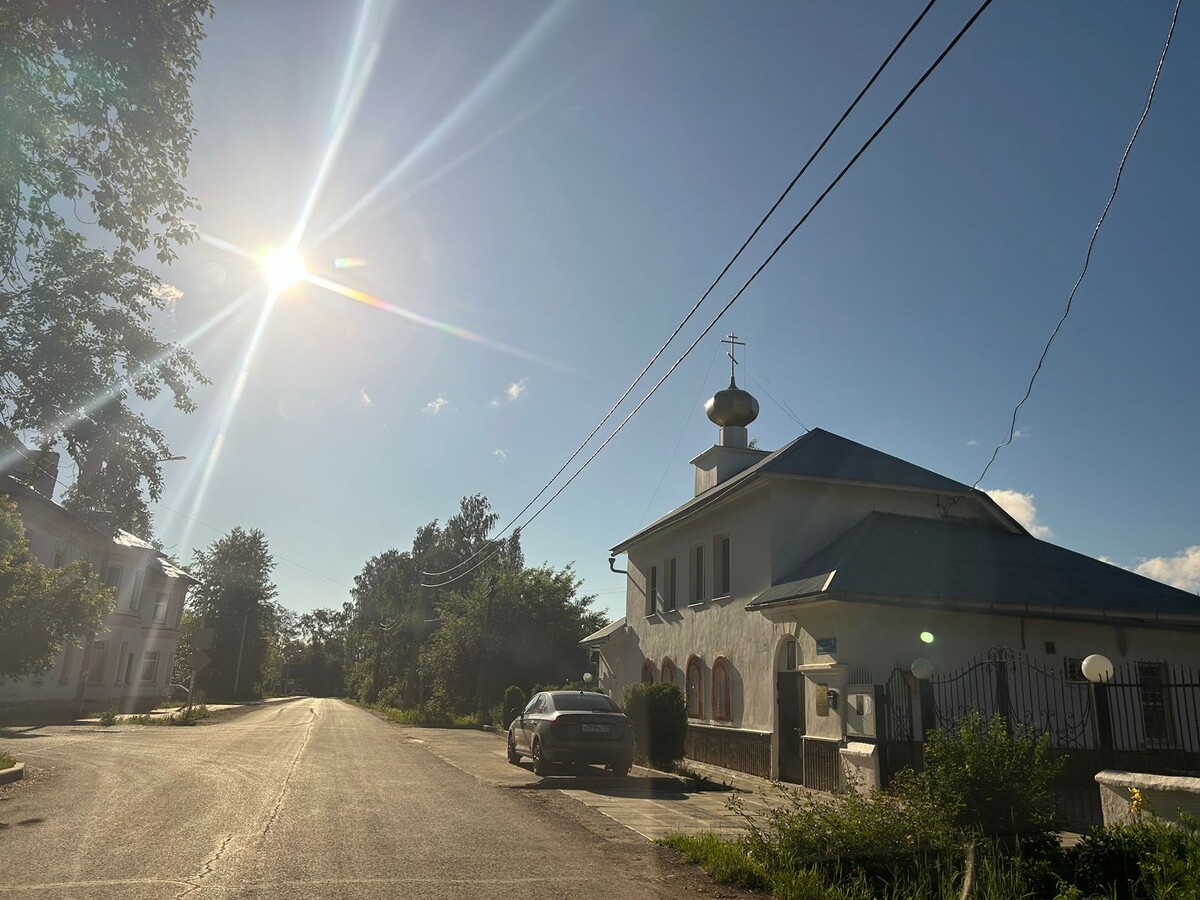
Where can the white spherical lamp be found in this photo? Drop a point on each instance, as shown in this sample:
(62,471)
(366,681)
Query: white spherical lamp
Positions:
(922,668)
(587,677)
(1097,669)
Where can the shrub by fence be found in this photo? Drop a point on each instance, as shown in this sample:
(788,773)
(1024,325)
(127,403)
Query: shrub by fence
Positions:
(659,719)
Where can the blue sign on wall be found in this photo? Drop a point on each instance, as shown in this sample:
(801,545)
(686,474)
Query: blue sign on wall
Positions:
(826,645)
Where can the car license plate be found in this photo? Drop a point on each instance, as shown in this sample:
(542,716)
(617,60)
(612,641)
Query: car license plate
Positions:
(589,728)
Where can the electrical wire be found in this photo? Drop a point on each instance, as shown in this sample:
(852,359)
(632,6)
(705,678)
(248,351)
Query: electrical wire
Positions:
(783,406)
(736,256)
(1012,428)
(778,247)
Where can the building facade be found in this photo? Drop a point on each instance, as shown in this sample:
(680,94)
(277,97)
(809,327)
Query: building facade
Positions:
(128,664)
(790,589)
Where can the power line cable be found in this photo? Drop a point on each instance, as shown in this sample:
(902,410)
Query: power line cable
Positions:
(654,359)
(1012,428)
(787,409)
(778,247)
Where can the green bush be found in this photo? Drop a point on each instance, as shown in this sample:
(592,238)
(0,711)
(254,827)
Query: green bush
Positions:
(1143,860)
(514,702)
(659,719)
(7,760)
(108,717)
(990,778)
(392,695)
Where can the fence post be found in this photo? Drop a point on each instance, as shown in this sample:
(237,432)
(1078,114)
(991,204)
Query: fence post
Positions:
(928,709)
(1101,715)
(1003,699)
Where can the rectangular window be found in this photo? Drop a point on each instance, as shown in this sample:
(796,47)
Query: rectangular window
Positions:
(698,574)
(112,577)
(721,565)
(59,559)
(652,604)
(122,675)
(98,663)
(129,669)
(161,603)
(1157,713)
(150,665)
(68,660)
(672,580)
(135,596)
(1073,669)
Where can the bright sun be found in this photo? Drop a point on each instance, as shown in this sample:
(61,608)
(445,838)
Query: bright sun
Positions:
(284,266)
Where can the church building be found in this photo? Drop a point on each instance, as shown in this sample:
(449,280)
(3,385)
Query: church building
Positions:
(783,594)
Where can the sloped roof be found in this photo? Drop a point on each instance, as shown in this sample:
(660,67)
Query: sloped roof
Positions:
(956,561)
(604,634)
(128,539)
(817,454)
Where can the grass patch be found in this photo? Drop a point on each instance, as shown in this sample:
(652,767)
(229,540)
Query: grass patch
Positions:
(183,717)
(728,862)
(7,760)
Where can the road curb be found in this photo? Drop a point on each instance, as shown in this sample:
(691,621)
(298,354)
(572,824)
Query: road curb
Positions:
(14,773)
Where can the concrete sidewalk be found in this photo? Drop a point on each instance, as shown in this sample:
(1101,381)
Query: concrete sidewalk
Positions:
(650,803)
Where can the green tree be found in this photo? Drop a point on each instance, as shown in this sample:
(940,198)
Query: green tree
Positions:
(234,598)
(41,608)
(95,132)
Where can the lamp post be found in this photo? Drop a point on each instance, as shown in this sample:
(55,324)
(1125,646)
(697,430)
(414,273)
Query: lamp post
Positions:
(1098,670)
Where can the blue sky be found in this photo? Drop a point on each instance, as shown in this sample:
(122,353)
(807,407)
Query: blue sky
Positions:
(566,179)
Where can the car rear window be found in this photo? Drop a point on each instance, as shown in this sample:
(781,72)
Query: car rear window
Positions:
(586,702)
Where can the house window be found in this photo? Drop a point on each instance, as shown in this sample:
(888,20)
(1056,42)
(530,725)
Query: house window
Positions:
(647,672)
(68,660)
(789,656)
(59,559)
(129,669)
(135,599)
(112,577)
(695,688)
(1158,717)
(161,603)
(99,662)
(721,565)
(698,574)
(672,581)
(720,690)
(669,675)
(1073,669)
(150,665)
(652,591)
(122,675)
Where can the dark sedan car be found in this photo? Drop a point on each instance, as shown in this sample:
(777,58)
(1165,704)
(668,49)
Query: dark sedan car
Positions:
(571,727)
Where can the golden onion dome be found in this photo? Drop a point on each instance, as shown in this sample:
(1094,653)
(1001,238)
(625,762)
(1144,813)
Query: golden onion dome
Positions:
(732,406)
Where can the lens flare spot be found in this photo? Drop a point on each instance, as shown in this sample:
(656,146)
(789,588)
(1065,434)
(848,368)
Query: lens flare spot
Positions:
(283,267)
(927,637)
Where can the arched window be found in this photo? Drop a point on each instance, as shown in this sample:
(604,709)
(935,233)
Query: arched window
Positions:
(669,675)
(721,703)
(647,672)
(695,689)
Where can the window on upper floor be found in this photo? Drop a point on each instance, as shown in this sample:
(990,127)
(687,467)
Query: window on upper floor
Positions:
(720,690)
(695,689)
(652,603)
(162,603)
(670,595)
(59,558)
(721,583)
(135,597)
(697,566)
(113,576)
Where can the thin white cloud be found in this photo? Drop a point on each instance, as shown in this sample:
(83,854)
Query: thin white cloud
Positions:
(1018,434)
(972,443)
(1021,507)
(1181,570)
(516,390)
(495,403)
(500,454)
(364,399)
(433,407)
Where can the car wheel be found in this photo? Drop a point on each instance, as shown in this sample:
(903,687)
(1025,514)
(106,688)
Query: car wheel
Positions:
(513,756)
(540,765)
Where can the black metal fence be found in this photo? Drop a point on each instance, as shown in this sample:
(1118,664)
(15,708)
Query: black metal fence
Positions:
(1146,718)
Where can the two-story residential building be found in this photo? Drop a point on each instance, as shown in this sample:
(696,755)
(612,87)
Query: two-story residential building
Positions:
(794,576)
(128,664)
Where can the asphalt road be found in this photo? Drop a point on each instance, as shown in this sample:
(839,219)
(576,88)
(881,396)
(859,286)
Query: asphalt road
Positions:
(309,798)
